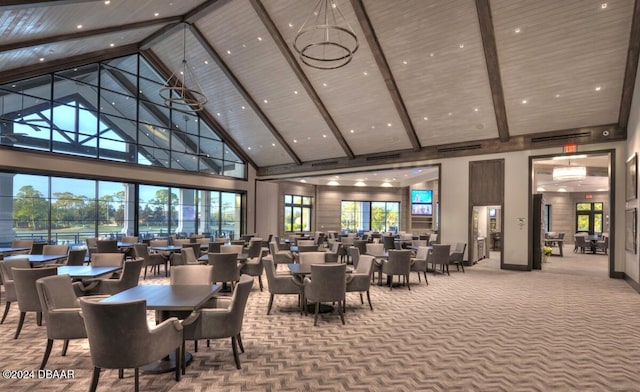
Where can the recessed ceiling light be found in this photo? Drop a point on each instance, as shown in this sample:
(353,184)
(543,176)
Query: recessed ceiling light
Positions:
(562,190)
(475,109)
(206,61)
(303,180)
(324,85)
(273,144)
(112,44)
(333,183)
(524,101)
(425,118)
(295,140)
(389,124)
(557,95)
(259,38)
(156,14)
(265,101)
(243,107)
(324,136)
(218,114)
(450,113)
(431,54)
(373,127)
(598,88)
(516,30)
(107,2)
(41,59)
(244,45)
(290,24)
(351,130)
(228,52)
(461,46)
(540,189)
(296,92)
(405,62)
(79,26)
(604,5)
(360,183)
(249,148)
(365,73)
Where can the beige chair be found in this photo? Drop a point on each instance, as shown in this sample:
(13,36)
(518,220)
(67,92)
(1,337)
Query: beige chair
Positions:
(120,337)
(354,255)
(191,274)
(398,263)
(56,250)
(186,257)
(61,312)
(309,258)
(602,245)
(130,238)
(107,259)
(580,243)
(254,266)
(279,284)
(151,260)
(420,262)
(360,279)
(214,247)
(457,254)
(22,244)
(306,243)
(254,250)
(180,242)
(107,246)
(237,249)
(76,257)
(6,272)
(333,252)
(26,293)
(327,283)
(225,268)
(92,245)
(129,278)
(225,321)
(195,247)
(440,256)
(36,248)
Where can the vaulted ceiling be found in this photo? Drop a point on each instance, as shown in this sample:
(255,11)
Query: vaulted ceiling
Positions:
(430,79)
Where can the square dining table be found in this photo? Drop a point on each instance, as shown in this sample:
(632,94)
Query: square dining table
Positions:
(38,259)
(86,271)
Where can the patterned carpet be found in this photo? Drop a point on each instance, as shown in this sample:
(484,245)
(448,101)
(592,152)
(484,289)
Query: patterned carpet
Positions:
(484,330)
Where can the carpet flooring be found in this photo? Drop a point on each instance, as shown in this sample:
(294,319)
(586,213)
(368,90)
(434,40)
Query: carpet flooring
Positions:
(565,328)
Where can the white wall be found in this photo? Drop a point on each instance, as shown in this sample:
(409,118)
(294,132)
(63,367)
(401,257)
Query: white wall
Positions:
(631,266)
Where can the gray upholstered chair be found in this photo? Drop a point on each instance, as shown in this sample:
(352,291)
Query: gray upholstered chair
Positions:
(253,266)
(7,279)
(22,244)
(120,337)
(56,250)
(376,250)
(191,274)
(92,245)
(457,254)
(214,247)
(398,263)
(107,246)
(76,257)
(327,283)
(388,242)
(602,245)
(440,256)
(26,293)
(309,258)
(307,248)
(225,267)
(235,248)
(361,245)
(224,321)
(354,255)
(61,312)
(154,260)
(195,247)
(129,278)
(107,259)
(420,262)
(130,239)
(279,256)
(279,284)
(333,252)
(36,249)
(360,279)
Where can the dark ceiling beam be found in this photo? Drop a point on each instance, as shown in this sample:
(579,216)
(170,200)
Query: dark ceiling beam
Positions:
(383,66)
(631,69)
(66,62)
(243,91)
(302,77)
(580,136)
(18,4)
(164,71)
(88,33)
(190,17)
(493,68)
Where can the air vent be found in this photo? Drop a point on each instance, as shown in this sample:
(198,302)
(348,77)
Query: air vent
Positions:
(324,163)
(382,157)
(541,139)
(460,148)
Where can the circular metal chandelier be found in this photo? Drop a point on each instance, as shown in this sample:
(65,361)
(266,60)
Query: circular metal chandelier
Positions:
(176,93)
(326,40)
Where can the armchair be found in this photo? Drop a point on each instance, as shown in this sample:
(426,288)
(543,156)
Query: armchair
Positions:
(360,279)
(279,284)
(26,293)
(327,283)
(7,279)
(129,278)
(150,260)
(420,261)
(120,337)
(398,263)
(457,254)
(440,255)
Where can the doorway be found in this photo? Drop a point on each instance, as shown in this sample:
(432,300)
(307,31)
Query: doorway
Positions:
(573,196)
(486,245)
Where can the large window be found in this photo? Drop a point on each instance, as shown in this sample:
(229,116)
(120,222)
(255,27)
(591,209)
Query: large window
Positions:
(297,213)
(589,217)
(68,210)
(111,111)
(380,216)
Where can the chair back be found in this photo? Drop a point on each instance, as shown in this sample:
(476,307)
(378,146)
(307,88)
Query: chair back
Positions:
(225,267)
(158,243)
(76,257)
(327,282)
(129,278)
(399,262)
(255,248)
(107,259)
(214,247)
(25,285)
(365,265)
(37,248)
(6,274)
(422,253)
(107,246)
(439,254)
(189,256)
(418,243)
(181,241)
(308,258)
(233,325)
(354,254)
(22,243)
(237,249)
(130,238)
(433,238)
(55,249)
(307,248)
(375,249)
(361,245)
(388,242)
(580,241)
(191,274)
(92,242)
(56,292)
(238,242)
(195,247)
(306,243)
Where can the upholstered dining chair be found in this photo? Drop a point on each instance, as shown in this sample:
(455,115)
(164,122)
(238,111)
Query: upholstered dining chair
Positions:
(36,248)
(398,263)
(223,321)
(26,293)
(61,312)
(107,246)
(420,262)
(7,279)
(120,337)
(154,260)
(279,284)
(107,259)
(237,249)
(602,245)
(76,257)
(92,245)
(191,274)
(129,278)
(279,256)
(457,254)
(333,252)
(360,279)
(327,283)
(440,256)
(377,251)
(225,267)
(214,247)
(194,246)
(21,244)
(56,250)
(254,266)
(308,258)
(354,255)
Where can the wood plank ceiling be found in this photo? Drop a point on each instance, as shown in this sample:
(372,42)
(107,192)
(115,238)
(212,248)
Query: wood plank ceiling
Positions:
(430,79)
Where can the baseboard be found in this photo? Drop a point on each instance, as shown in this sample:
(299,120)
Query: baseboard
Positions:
(635,285)
(516,267)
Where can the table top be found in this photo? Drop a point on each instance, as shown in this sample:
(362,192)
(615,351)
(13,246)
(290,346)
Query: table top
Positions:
(167,248)
(86,271)
(168,297)
(125,244)
(10,250)
(241,257)
(305,269)
(37,258)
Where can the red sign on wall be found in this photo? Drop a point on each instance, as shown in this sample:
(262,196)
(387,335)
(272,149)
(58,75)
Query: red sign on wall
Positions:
(588,196)
(570,148)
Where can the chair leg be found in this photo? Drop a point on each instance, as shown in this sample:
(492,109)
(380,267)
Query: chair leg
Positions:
(235,352)
(65,347)
(407,279)
(145,272)
(47,352)
(179,366)
(369,299)
(120,373)
(361,299)
(425,277)
(39,319)
(136,377)
(94,379)
(239,337)
(260,281)
(22,314)
(419,280)
(6,311)
(341,313)
(462,266)
(270,303)
(183,355)
(195,345)
(315,319)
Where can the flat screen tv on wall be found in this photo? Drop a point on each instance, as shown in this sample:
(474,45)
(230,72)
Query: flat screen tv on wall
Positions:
(421,196)
(422,209)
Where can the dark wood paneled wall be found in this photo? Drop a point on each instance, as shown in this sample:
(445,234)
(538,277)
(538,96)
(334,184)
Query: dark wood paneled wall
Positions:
(486,182)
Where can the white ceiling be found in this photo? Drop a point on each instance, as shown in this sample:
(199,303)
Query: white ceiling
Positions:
(597,179)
